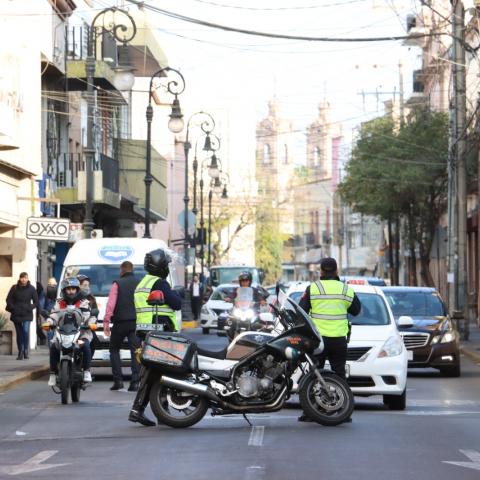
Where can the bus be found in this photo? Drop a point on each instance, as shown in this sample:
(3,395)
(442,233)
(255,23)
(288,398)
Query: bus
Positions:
(229,273)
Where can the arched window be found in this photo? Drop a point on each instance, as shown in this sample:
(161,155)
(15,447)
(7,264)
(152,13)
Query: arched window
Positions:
(285,154)
(316,157)
(266,153)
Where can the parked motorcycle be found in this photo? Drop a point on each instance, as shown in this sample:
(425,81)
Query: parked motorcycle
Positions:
(252,375)
(66,339)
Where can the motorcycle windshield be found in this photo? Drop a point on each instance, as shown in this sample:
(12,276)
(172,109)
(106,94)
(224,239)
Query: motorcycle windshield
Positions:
(244,297)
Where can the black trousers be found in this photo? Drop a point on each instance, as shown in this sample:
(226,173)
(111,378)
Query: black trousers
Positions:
(196,307)
(120,331)
(335,352)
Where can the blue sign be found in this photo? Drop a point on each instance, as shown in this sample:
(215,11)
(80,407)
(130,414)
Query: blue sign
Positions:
(115,253)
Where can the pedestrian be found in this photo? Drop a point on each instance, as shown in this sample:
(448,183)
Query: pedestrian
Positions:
(196,295)
(40,306)
(22,299)
(49,304)
(329,301)
(120,311)
(156,266)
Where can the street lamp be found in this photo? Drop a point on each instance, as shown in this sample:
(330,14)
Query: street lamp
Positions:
(122,27)
(207,124)
(175,125)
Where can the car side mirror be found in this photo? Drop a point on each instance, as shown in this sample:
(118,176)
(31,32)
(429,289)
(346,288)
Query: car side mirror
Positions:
(155,298)
(405,321)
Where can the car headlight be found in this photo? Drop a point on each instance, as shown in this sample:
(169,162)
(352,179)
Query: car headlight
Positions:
(392,347)
(446,337)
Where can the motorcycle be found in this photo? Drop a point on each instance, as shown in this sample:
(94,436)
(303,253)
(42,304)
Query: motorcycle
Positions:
(66,339)
(252,375)
(243,316)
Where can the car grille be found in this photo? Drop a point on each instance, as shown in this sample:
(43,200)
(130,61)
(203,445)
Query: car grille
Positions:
(415,340)
(217,311)
(354,353)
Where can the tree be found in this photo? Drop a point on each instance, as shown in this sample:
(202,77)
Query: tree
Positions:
(402,173)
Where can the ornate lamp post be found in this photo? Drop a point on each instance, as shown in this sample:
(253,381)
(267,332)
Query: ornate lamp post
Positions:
(175,125)
(121,25)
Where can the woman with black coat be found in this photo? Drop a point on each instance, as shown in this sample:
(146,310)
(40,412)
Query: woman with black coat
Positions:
(22,299)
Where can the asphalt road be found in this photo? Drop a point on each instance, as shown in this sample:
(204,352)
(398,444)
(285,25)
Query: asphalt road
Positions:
(40,438)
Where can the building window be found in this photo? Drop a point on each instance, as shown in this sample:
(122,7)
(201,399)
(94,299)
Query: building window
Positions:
(285,154)
(266,153)
(6,262)
(316,157)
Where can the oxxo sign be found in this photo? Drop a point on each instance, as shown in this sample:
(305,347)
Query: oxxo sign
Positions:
(46,228)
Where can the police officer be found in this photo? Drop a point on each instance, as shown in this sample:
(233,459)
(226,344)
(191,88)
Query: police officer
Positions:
(245,280)
(156,266)
(328,301)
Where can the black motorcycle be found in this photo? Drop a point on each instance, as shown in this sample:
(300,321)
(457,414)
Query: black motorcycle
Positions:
(252,375)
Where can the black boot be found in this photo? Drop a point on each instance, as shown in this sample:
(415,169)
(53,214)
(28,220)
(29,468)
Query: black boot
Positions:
(133,387)
(20,355)
(116,386)
(139,417)
(25,354)
(304,418)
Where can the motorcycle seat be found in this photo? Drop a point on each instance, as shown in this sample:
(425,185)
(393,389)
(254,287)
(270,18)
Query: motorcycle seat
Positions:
(219,355)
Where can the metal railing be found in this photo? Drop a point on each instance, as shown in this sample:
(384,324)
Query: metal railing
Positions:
(104,44)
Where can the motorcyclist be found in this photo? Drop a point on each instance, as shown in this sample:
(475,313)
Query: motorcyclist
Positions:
(71,296)
(245,280)
(156,265)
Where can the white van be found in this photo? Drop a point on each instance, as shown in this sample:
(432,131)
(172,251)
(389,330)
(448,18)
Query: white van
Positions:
(100,260)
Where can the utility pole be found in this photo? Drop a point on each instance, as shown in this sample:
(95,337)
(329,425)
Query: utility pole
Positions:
(457,173)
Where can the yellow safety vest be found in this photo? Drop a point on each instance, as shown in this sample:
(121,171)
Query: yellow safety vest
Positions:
(144,311)
(330,300)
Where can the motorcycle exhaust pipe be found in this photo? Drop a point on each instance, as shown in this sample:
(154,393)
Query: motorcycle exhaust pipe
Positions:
(195,388)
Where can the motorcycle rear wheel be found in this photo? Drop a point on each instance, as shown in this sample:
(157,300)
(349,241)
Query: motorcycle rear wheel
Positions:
(325,410)
(65,381)
(162,399)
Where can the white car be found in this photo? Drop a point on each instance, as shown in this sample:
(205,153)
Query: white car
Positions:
(220,301)
(377,359)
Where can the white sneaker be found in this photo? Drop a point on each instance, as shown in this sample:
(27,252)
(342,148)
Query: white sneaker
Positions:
(52,380)
(87,377)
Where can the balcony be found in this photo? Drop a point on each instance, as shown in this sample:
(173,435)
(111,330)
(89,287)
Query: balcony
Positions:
(68,174)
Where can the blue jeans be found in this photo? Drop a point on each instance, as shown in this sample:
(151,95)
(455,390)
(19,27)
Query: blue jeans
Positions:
(55,356)
(23,335)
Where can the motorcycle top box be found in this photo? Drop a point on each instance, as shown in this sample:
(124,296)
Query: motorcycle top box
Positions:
(168,352)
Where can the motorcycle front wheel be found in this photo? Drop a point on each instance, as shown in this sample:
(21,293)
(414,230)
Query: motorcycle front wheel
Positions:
(175,408)
(330,407)
(65,381)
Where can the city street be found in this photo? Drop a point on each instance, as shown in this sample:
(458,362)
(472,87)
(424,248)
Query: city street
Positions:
(40,438)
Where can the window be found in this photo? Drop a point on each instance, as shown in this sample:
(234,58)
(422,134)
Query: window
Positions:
(316,157)
(266,153)
(373,312)
(285,154)
(6,265)
(415,304)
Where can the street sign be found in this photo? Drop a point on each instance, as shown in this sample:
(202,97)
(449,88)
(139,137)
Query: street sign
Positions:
(48,228)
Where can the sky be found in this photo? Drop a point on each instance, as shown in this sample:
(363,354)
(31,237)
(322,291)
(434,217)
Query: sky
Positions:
(233,76)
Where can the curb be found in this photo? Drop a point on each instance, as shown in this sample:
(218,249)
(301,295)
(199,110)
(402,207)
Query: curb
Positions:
(23,377)
(189,324)
(472,355)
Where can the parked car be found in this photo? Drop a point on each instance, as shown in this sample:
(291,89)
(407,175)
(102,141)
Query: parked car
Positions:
(431,340)
(218,303)
(359,280)
(377,357)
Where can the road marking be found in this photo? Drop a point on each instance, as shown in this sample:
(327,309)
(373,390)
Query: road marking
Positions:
(256,436)
(254,472)
(33,464)
(473,455)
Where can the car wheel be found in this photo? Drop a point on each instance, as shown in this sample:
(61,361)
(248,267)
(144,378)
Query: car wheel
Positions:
(396,402)
(451,371)
(205,331)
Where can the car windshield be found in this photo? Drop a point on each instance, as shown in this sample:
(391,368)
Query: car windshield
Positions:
(415,304)
(296,296)
(374,310)
(229,275)
(224,293)
(101,276)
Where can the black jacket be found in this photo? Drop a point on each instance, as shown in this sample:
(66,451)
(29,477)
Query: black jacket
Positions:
(21,301)
(172,298)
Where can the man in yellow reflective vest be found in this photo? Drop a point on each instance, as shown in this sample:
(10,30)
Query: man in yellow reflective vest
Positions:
(329,301)
(156,265)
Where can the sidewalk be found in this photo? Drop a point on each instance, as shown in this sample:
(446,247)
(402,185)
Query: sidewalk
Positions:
(13,371)
(471,347)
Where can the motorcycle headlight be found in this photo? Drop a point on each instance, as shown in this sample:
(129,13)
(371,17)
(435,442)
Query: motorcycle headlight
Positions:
(237,312)
(447,337)
(67,340)
(392,347)
(249,314)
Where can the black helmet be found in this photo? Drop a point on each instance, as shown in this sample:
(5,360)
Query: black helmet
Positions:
(245,276)
(71,282)
(156,263)
(82,278)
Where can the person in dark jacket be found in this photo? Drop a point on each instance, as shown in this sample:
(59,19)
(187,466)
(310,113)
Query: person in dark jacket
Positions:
(196,296)
(22,299)
(121,311)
